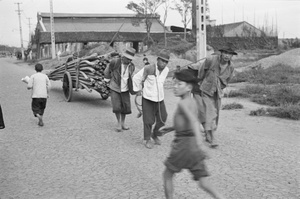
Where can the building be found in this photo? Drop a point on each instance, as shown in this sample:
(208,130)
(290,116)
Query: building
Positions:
(238,29)
(73,31)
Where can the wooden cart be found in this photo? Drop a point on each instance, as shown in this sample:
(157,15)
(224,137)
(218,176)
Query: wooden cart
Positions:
(82,74)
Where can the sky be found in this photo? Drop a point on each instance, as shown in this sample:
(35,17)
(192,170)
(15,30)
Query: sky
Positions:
(283,14)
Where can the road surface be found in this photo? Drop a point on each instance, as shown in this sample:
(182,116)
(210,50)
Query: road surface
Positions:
(77,154)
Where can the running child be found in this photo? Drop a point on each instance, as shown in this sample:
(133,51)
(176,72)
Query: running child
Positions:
(186,152)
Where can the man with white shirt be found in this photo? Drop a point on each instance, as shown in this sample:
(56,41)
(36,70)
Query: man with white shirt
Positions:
(118,72)
(40,85)
(150,81)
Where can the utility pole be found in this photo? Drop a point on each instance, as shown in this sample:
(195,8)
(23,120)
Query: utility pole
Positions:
(201,28)
(19,13)
(29,24)
(52,31)
(30,42)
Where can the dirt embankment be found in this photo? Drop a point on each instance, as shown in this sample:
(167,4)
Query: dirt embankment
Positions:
(288,58)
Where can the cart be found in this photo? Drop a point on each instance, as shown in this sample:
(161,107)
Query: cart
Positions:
(87,73)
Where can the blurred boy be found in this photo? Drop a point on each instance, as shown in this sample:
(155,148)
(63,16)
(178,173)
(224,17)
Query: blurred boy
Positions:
(40,85)
(186,152)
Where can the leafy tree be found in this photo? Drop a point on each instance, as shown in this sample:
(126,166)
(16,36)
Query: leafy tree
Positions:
(184,7)
(146,12)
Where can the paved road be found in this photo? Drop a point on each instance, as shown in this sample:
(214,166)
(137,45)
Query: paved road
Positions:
(77,154)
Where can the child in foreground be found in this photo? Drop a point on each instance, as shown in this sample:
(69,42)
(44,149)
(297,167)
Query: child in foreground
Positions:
(186,152)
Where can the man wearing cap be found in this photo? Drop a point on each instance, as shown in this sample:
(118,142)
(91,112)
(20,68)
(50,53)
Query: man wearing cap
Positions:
(74,56)
(215,74)
(150,81)
(118,71)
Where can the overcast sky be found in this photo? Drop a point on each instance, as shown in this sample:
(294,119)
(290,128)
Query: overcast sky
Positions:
(284,13)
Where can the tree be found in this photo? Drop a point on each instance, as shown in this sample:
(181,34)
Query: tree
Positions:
(146,12)
(184,7)
(166,7)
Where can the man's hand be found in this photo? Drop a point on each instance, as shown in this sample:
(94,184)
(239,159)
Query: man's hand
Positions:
(139,93)
(164,130)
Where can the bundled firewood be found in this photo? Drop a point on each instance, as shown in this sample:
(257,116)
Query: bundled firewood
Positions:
(88,72)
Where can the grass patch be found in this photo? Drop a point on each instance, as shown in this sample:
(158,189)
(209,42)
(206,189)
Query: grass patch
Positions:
(284,99)
(279,95)
(287,111)
(274,75)
(232,106)
(258,112)
(249,91)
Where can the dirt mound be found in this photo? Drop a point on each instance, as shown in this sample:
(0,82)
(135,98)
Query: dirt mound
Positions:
(100,50)
(289,58)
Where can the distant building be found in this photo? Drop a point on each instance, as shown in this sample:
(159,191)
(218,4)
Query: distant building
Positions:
(73,31)
(238,29)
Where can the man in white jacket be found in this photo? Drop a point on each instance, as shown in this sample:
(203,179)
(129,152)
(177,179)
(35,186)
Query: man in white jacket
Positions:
(150,82)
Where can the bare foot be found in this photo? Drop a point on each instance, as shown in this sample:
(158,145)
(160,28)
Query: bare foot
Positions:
(118,130)
(41,123)
(125,128)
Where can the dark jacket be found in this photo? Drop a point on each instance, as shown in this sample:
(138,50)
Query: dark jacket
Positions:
(211,78)
(113,72)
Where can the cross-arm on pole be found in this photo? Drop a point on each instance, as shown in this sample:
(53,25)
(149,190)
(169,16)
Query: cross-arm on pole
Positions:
(201,28)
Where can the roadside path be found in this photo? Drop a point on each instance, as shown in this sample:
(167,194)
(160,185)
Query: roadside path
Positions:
(77,154)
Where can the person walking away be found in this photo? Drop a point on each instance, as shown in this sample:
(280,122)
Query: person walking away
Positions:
(40,85)
(187,148)
(215,74)
(149,82)
(118,71)
(146,62)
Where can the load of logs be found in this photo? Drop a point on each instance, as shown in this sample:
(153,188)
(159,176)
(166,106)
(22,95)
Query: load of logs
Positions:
(86,72)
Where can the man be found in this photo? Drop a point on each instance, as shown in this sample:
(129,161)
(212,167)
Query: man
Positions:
(215,74)
(150,81)
(118,71)
(74,57)
(40,85)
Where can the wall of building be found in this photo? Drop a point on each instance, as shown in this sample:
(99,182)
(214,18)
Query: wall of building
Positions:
(246,43)
(243,30)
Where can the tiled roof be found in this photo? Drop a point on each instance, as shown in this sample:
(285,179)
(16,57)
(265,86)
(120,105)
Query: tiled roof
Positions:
(85,15)
(98,22)
(230,26)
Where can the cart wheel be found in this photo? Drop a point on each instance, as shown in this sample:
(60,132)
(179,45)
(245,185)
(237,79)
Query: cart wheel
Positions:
(104,96)
(67,86)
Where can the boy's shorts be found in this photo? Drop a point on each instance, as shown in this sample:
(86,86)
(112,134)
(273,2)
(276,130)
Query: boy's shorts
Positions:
(185,155)
(38,106)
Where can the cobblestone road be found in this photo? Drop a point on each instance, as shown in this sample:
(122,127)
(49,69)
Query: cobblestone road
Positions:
(77,154)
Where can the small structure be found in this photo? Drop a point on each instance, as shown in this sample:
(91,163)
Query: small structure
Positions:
(238,29)
(74,31)
(242,35)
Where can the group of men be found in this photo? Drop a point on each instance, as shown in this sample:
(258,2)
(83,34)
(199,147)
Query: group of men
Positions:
(200,90)
(214,74)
